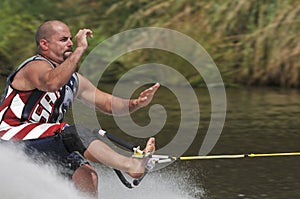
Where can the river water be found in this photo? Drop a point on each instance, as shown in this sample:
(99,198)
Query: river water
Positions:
(258,120)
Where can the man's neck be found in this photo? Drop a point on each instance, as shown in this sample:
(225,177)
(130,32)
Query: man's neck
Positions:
(51,61)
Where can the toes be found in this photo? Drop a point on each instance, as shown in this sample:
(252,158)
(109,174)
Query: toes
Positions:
(150,147)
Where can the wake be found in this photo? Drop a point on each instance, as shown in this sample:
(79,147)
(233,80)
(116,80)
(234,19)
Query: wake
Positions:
(21,178)
(159,184)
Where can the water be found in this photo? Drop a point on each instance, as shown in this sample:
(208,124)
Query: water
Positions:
(259,120)
(171,183)
(22,179)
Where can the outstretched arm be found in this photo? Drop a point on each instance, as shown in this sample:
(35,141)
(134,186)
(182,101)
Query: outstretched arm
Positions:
(110,104)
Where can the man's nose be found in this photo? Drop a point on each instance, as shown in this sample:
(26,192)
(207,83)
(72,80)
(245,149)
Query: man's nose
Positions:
(70,43)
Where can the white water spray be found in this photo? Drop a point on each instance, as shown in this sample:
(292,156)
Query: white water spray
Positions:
(21,178)
(158,184)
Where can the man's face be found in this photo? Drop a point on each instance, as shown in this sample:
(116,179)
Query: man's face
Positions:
(60,44)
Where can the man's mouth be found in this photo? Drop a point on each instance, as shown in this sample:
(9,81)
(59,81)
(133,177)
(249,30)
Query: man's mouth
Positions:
(67,53)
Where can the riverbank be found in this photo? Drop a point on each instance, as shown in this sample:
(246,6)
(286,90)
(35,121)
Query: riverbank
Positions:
(247,40)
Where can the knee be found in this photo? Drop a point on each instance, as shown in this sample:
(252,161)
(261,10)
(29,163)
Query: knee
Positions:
(94,176)
(91,173)
(86,179)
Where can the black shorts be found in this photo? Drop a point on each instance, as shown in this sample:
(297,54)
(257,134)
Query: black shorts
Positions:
(65,149)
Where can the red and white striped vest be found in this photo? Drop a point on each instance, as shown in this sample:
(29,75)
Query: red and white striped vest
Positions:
(34,114)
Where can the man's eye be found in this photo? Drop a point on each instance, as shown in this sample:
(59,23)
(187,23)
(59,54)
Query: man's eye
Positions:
(64,39)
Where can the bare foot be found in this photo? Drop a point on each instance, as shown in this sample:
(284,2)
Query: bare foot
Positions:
(150,147)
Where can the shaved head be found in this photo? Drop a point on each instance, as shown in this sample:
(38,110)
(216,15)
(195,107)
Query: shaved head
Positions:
(46,30)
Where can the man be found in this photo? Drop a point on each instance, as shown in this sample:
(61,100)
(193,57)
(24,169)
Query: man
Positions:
(38,94)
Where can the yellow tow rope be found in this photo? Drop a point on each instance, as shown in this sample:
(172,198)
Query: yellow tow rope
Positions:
(252,155)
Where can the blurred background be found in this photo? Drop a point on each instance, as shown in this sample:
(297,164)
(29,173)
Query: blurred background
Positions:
(253,42)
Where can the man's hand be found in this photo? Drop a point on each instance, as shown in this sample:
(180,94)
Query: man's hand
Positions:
(81,38)
(146,96)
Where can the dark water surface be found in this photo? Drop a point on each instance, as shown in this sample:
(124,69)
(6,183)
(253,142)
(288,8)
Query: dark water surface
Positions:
(258,120)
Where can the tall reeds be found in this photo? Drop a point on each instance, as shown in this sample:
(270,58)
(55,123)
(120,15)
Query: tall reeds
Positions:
(253,42)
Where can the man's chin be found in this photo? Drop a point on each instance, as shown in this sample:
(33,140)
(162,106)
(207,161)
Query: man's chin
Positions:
(67,54)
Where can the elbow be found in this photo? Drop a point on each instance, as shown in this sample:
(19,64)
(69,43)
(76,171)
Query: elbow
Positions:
(52,86)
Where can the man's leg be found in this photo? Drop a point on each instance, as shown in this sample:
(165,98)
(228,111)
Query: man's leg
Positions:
(85,179)
(88,143)
(72,164)
(99,152)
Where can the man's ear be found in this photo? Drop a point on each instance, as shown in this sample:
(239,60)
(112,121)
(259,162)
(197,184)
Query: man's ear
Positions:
(44,44)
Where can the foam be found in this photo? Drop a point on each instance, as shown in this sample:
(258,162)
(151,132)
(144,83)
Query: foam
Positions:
(21,178)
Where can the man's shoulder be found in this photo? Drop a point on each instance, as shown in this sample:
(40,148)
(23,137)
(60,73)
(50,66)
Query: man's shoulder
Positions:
(37,59)
(38,64)
(34,60)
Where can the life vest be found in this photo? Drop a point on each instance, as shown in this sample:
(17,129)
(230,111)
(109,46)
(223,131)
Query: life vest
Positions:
(35,113)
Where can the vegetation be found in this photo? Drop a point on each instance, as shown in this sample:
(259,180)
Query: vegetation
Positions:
(253,42)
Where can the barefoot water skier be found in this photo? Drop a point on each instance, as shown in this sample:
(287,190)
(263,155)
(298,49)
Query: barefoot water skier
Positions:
(39,92)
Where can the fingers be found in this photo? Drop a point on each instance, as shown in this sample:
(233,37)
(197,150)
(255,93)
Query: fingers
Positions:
(150,91)
(81,37)
(146,96)
(85,32)
(154,87)
(89,33)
